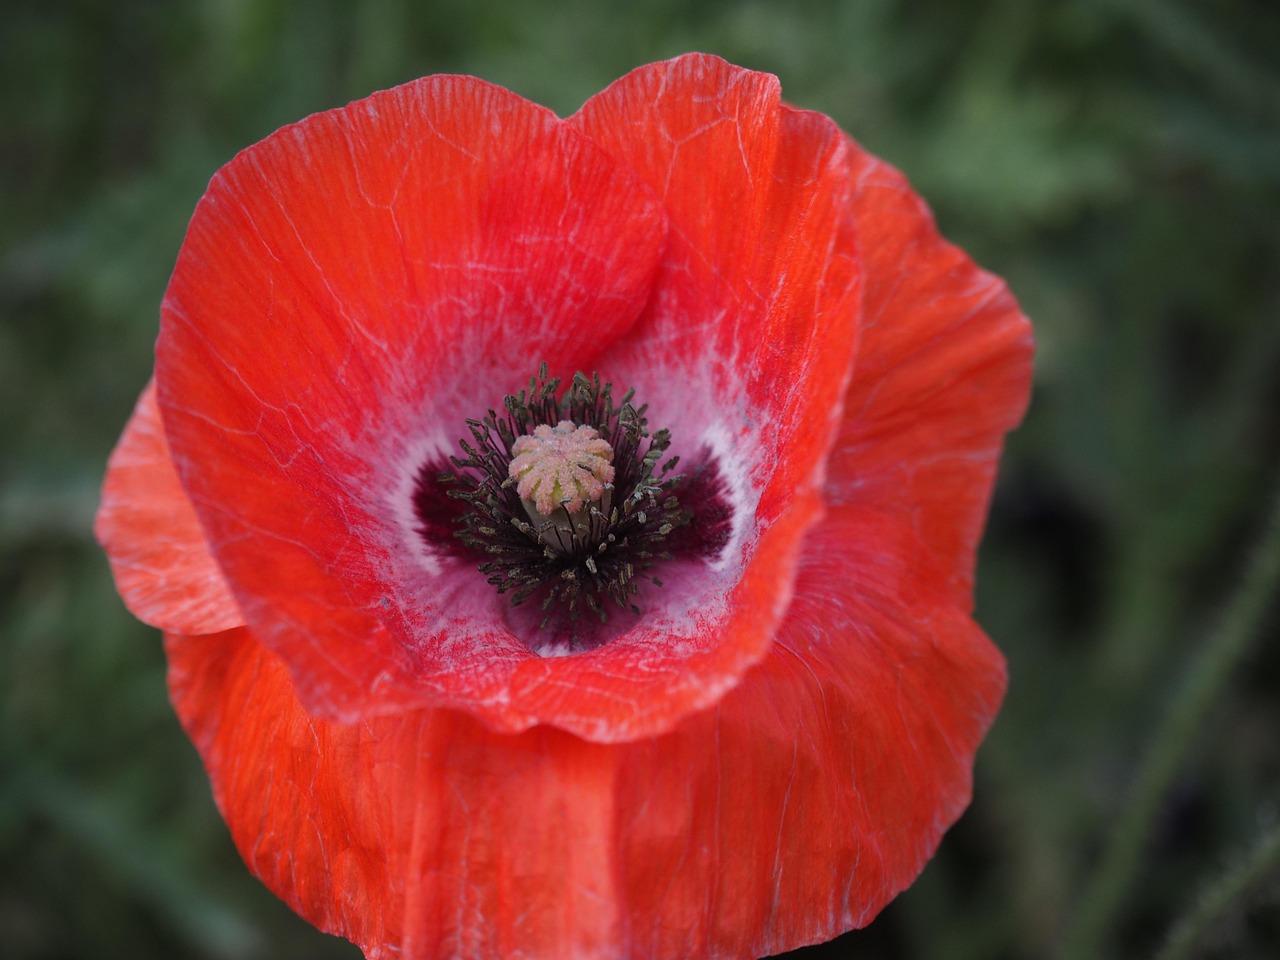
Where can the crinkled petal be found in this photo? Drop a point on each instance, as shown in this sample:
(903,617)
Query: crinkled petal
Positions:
(419,835)
(162,565)
(350,291)
(943,372)
(791,811)
(819,787)
(743,351)
(338,312)
(745,348)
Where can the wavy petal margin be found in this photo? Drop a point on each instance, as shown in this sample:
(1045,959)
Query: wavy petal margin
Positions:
(159,558)
(943,373)
(790,812)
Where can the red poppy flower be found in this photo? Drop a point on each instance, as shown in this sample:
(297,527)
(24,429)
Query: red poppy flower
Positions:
(770,745)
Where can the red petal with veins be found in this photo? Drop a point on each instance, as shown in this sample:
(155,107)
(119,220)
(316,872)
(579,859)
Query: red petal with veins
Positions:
(161,563)
(943,372)
(326,232)
(419,835)
(793,810)
(817,789)
(350,290)
(747,342)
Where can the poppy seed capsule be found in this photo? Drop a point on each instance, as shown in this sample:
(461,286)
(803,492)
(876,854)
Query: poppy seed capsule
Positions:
(563,474)
(562,467)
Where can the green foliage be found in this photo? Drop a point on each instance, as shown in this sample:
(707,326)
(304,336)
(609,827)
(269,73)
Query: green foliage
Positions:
(1117,160)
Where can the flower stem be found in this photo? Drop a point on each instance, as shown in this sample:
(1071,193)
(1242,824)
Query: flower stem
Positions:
(1218,897)
(1210,670)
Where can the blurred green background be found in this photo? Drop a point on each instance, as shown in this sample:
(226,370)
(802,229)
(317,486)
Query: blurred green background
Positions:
(1118,161)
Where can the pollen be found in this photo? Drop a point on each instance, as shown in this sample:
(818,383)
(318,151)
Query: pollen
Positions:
(563,466)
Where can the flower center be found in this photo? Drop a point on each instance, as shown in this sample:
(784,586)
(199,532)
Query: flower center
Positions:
(565,497)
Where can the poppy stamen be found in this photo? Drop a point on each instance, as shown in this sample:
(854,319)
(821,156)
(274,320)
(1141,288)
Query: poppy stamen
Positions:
(568,497)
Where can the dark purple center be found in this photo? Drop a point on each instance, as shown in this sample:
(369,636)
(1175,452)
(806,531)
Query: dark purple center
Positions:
(468,509)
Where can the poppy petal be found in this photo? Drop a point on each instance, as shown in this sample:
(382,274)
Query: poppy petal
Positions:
(161,563)
(817,789)
(791,811)
(311,545)
(747,343)
(743,351)
(943,372)
(418,835)
(350,291)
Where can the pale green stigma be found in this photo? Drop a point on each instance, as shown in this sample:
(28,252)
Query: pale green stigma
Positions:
(561,467)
